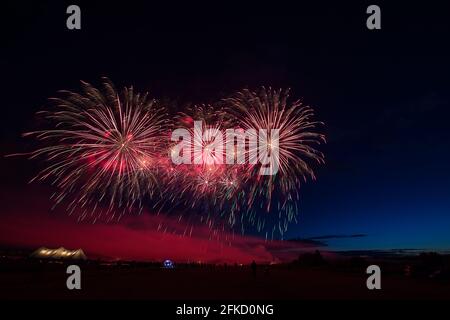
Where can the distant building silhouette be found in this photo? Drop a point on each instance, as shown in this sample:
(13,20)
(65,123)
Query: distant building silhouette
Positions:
(311,259)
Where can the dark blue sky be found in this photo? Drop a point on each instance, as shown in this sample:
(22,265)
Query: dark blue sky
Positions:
(384,95)
(387,170)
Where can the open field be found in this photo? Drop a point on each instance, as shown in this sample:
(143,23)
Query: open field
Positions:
(26,280)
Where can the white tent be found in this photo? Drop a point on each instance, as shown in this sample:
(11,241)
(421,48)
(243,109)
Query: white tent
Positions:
(60,253)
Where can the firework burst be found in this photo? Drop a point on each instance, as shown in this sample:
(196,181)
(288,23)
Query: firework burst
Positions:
(203,178)
(109,153)
(103,148)
(293,154)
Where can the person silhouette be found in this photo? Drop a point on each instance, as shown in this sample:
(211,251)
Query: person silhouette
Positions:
(253,266)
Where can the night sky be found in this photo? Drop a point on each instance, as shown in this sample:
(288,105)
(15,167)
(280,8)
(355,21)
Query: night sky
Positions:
(384,96)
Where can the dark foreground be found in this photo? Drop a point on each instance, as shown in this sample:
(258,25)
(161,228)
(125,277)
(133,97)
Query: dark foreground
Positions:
(43,280)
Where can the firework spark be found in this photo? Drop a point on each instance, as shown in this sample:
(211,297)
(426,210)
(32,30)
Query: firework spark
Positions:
(103,148)
(295,151)
(113,150)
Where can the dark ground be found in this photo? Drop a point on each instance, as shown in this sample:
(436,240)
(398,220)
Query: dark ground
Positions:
(32,280)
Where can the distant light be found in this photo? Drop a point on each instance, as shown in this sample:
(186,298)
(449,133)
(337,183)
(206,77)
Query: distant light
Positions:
(168,264)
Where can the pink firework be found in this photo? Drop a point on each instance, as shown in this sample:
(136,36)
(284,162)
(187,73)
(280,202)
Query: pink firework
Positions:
(103,147)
